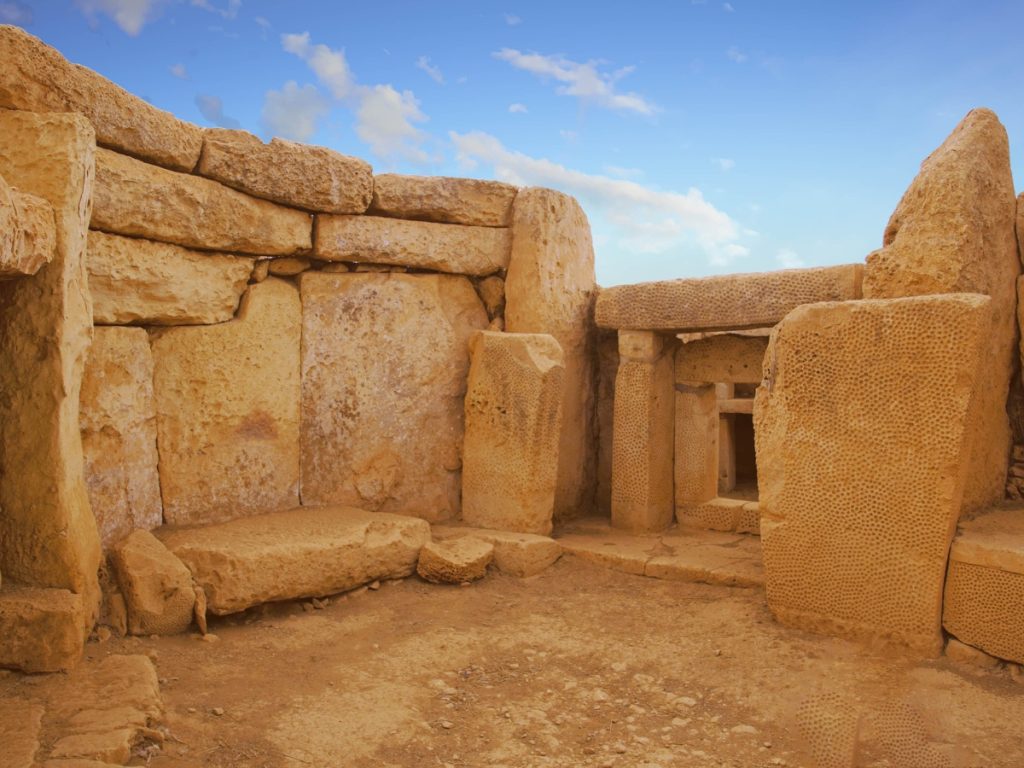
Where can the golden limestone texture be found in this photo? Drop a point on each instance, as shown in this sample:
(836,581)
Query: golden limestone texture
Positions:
(953,231)
(607,368)
(27,237)
(455,561)
(300,175)
(227,404)
(513,428)
(41,630)
(20,723)
(722,358)
(723,302)
(550,289)
(696,442)
(855,524)
(118,423)
(136,281)
(420,244)
(384,364)
(515,554)
(36,78)
(438,198)
(156,585)
(47,528)
(142,200)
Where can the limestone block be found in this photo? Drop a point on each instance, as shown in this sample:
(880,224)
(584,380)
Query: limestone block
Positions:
(420,244)
(300,175)
(515,554)
(118,425)
(36,78)
(724,302)
(492,293)
(136,281)
(47,527)
(156,585)
(717,514)
(722,358)
(443,199)
(288,267)
(550,288)
(27,236)
(455,561)
(142,200)
(227,404)
(696,442)
(20,723)
(513,429)
(855,525)
(607,368)
(307,552)
(643,434)
(41,628)
(953,232)
(384,364)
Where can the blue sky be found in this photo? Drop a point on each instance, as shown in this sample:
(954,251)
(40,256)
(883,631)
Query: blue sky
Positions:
(702,137)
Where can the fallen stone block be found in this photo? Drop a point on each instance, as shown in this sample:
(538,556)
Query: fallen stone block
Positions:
(156,585)
(442,199)
(455,561)
(20,723)
(41,630)
(515,554)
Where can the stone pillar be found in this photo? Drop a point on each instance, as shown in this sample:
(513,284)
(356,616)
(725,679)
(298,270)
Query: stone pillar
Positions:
(726,442)
(696,445)
(643,433)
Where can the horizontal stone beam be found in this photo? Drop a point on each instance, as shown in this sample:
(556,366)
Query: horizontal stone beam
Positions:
(736,405)
(442,199)
(727,301)
(722,358)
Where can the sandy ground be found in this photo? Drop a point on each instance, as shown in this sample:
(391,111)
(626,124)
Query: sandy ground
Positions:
(579,666)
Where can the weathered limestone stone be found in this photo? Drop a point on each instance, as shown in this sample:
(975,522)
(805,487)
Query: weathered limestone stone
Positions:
(27,236)
(118,424)
(607,369)
(492,292)
(142,200)
(722,358)
(968,654)
(47,528)
(643,433)
(261,271)
(156,585)
(36,78)
(513,428)
(300,175)
(424,245)
(696,442)
(227,404)
(724,302)
(136,281)
(455,561)
(20,723)
(384,365)
(288,267)
(549,288)
(305,552)
(42,628)
(443,199)
(515,554)
(855,525)
(953,232)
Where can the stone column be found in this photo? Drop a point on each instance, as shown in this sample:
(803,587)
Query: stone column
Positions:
(726,441)
(697,443)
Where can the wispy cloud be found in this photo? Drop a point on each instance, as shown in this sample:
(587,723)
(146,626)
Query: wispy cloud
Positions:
(229,11)
(423,62)
(293,112)
(518,108)
(735,54)
(179,71)
(512,20)
(130,15)
(623,173)
(727,7)
(13,12)
(725,163)
(329,66)
(787,258)
(582,80)
(212,108)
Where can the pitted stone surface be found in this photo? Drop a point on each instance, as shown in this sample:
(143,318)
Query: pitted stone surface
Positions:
(27,235)
(722,358)
(607,368)
(443,199)
(455,561)
(157,587)
(515,554)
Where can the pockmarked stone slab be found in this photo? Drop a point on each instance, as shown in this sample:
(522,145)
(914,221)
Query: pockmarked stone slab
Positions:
(37,78)
(306,552)
(855,526)
(299,175)
(138,199)
(472,202)
(455,561)
(157,587)
(227,404)
(722,358)
(725,301)
(42,628)
(137,281)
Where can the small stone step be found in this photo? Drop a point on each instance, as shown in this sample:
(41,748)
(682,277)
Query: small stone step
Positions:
(304,552)
(515,554)
(41,630)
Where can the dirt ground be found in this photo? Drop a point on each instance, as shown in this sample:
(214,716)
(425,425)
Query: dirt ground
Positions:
(579,666)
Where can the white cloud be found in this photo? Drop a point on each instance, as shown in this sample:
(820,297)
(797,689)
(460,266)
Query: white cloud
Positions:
(385,120)
(179,71)
(584,81)
(293,112)
(130,15)
(789,259)
(725,163)
(569,135)
(735,54)
(230,11)
(512,20)
(645,220)
(263,22)
(623,173)
(13,12)
(727,7)
(212,108)
(423,62)
(518,108)
(330,66)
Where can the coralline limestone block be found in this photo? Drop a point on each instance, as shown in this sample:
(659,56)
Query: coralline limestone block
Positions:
(300,175)
(36,78)
(855,523)
(227,403)
(455,561)
(41,628)
(722,358)
(953,232)
(142,200)
(443,199)
(136,281)
(384,363)
(27,234)
(156,585)
(421,244)
(550,289)
(696,442)
(513,429)
(607,369)
(643,434)
(985,584)
(515,554)
(118,424)
(724,302)
(307,552)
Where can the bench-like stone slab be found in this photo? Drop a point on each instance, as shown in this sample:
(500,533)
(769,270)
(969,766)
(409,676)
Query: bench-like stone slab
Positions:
(40,629)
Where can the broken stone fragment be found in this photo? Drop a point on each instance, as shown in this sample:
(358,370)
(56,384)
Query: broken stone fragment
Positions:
(27,234)
(455,561)
(443,199)
(515,554)
(156,585)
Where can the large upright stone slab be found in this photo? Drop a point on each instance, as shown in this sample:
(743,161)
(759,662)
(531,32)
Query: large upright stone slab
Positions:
(550,289)
(142,200)
(227,405)
(513,429)
(952,232)
(118,423)
(47,528)
(607,370)
(443,199)
(384,363)
(861,435)
(36,78)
